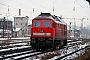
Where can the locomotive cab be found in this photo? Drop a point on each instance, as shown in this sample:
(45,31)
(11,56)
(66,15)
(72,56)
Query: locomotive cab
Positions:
(42,28)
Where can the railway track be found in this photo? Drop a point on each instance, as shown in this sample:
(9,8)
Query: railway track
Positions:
(66,55)
(23,51)
(75,52)
(15,51)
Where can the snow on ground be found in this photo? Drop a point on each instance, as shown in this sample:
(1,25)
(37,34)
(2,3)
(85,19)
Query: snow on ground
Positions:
(1,39)
(0,56)
(21,38)
(2,50)
(15,38)
(61,51)
(69,50)
(17,44)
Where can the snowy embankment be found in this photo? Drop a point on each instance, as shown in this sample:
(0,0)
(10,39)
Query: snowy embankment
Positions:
(6,40)
(66,51)
(19,38)
(71,50)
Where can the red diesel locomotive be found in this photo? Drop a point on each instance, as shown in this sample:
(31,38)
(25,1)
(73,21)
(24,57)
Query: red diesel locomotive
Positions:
(48,31)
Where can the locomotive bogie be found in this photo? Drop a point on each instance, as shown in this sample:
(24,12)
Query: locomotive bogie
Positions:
(47,43)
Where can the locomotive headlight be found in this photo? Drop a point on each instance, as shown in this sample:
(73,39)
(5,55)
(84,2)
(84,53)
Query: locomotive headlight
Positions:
(48,34)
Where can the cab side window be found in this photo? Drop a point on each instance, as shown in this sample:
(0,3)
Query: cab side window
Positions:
(53,25)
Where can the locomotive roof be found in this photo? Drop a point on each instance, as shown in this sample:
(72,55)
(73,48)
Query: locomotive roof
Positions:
(49,16)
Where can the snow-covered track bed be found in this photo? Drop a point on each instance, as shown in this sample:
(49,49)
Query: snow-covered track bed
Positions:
(23,51)
(11,45)
(76,52)
(17,51)
(13,49)
(72,50)
(27,55)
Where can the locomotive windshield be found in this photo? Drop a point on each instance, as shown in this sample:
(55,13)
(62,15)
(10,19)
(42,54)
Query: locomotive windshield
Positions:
(36,23)
(46,24)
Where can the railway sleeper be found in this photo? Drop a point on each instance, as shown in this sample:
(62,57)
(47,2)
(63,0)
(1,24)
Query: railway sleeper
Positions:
(14,51)
(71,53)
(17,54)
(26,56)
(12,45)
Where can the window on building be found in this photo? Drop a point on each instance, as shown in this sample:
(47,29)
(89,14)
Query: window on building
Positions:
(16,23)
(21,23)
(26,24)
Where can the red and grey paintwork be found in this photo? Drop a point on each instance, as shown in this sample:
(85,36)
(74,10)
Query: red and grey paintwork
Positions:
(48,31)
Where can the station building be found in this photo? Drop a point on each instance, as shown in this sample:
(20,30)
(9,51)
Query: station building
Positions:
(21,23)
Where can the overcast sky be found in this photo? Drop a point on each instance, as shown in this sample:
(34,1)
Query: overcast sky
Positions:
(67,8)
